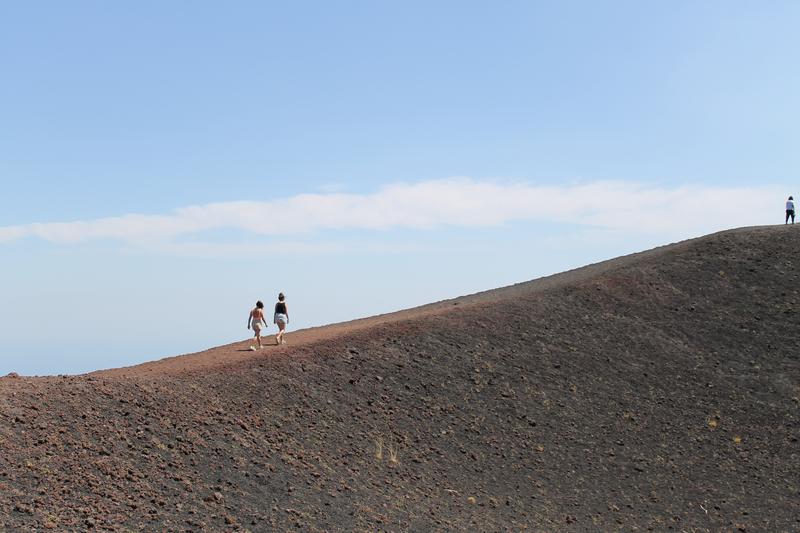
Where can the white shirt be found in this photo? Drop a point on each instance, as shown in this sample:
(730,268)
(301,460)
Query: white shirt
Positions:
(790,205)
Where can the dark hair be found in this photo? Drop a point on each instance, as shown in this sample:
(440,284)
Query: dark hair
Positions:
(281,297)
(260,304)
(790,198)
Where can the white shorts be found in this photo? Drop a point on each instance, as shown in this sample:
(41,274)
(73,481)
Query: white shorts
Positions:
(280,318)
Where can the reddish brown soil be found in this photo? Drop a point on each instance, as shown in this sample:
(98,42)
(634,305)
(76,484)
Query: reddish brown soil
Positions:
(659,391)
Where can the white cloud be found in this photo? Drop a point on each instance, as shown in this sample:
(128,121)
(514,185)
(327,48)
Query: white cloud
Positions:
(455,202)
(267,249)
(11,233)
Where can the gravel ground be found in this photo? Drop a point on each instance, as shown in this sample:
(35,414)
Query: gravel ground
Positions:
(654,392)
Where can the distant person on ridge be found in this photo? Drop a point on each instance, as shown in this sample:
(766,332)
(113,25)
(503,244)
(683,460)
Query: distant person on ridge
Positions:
(281,318)
(789,210)
(256,318)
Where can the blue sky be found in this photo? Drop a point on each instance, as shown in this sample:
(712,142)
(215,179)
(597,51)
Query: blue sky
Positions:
(164,164)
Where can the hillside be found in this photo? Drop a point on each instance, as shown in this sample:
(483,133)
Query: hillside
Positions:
(658,391)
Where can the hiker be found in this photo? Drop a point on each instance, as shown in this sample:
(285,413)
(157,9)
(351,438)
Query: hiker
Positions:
(789,210)
(256,318)
(281,318)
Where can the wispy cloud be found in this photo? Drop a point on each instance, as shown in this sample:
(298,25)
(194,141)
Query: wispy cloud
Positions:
(455,202)
(265,249)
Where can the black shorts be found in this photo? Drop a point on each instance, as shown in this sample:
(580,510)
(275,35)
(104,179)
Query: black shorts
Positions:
(790,212)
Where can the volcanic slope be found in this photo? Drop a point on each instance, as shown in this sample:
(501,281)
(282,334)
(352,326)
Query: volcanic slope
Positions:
(657,391)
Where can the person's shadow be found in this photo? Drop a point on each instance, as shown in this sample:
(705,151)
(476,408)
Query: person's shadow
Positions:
(262,347)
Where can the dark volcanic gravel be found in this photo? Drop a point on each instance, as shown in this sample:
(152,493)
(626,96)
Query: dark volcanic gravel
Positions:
(658,392)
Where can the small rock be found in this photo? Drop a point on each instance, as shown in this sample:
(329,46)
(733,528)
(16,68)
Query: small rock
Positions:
(22,508)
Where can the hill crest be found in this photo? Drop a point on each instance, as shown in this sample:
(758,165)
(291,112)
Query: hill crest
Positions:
(238,351)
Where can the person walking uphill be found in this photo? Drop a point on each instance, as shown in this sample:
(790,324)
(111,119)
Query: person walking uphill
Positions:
(281,318)
(256,318)
(789,210)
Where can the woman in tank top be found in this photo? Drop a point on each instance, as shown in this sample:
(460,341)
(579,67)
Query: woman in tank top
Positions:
(281,318)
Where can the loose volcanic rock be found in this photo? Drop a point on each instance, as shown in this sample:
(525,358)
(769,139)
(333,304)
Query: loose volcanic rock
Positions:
(653,392)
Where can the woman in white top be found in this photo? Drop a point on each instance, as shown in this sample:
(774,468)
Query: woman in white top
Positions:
(255,319)
(789,210)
